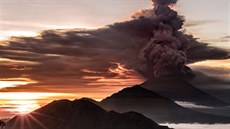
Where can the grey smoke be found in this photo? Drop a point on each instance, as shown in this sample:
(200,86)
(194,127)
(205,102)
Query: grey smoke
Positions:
(164,2)
(166,52)
(153,46)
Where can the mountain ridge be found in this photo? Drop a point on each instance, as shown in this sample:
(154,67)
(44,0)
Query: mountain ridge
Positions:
(178,88)
(159,109)
(80,114)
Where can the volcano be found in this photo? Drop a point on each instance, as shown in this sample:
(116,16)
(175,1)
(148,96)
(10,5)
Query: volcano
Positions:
(156,107)
(178,88)
(80,114)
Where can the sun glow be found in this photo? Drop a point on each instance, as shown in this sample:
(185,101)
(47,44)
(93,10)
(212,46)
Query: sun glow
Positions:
(26,102)
(24,107)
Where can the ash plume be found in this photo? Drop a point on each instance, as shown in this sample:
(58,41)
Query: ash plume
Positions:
(166,52)
(151,44)
(164,2)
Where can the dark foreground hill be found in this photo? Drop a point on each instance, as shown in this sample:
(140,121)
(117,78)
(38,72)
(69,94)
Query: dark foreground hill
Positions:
(178,88)
(156,107)
(80,114)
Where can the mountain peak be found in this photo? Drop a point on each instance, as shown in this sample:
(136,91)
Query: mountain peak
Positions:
(154,106)
(66,108)
(80,114)
(178,88)
(135,92)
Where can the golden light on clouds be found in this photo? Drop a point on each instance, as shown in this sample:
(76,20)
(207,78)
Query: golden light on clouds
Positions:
(213,63)
(4,84)
(7,34)
(28,95)
(124,77)
(12,62)
(14,82)
(120,69)
(217,68)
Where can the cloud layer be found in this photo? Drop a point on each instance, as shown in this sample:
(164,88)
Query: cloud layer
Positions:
(63,54)
(67,60)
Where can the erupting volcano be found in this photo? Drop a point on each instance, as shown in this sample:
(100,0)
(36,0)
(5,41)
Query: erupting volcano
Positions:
(152,51)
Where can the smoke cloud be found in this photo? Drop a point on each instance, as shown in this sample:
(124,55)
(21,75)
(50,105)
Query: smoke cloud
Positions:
(164,2)
(151,44)
(167,51)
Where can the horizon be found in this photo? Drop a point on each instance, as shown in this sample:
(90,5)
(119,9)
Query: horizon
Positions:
(32,76)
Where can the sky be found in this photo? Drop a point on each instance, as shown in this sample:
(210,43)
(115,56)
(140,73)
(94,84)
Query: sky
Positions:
(34,72)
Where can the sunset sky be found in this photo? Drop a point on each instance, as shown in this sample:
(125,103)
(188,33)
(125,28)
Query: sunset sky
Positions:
(34,72)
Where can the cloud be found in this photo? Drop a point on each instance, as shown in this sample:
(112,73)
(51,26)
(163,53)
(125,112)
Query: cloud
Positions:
(198,126)
(217,68)
(167,50)
(221,40)
(191,105)
(201,52)
(226,37)
(192,23)
(72,60)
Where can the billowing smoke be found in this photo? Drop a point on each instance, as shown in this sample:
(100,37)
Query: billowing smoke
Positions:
(164,2)
(166,52)
(150,44)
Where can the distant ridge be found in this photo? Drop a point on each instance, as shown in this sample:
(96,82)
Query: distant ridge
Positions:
(80,114)
(156,107)
(5,119)
(178,88)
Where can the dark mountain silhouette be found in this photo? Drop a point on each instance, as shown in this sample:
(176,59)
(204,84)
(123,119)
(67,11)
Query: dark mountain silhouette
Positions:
(216,86)
(80,114)
(156,107)
(178,88)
